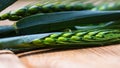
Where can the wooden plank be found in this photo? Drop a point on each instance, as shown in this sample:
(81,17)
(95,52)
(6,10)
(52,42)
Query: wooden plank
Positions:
(97,57)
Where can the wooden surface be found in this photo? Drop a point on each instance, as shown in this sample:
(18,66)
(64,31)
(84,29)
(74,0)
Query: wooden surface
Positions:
(9,60)
(97,57)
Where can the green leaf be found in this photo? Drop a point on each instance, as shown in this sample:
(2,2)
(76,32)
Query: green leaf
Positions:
(5,3)
(112,25)
(57,21)
(7,31)
(60,20)
(105,25)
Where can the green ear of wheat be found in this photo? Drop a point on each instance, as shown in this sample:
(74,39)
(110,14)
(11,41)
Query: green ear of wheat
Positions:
(45,8)
(107,7)
(98,37)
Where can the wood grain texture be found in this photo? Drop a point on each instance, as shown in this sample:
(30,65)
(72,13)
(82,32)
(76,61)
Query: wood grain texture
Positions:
(97,57)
